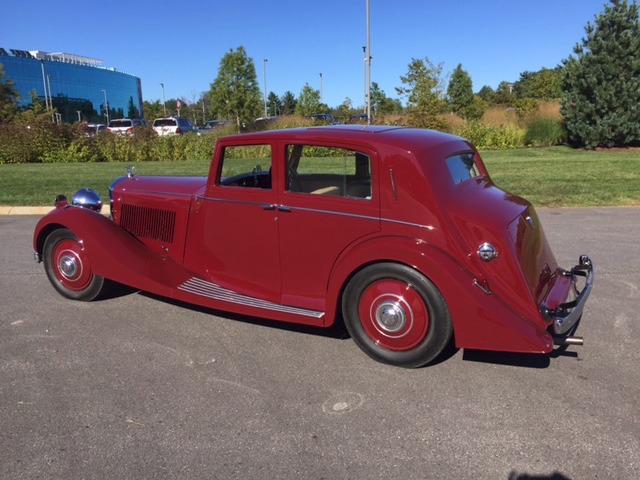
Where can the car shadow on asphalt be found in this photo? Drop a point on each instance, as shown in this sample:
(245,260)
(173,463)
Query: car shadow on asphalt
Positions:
(527,360)
(337,330)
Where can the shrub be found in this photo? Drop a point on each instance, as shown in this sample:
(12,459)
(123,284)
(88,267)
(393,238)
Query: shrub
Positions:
(543,132)
(488,136)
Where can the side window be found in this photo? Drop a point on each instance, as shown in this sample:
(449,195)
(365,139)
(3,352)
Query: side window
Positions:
(462,167)
(319,170)
(246,166)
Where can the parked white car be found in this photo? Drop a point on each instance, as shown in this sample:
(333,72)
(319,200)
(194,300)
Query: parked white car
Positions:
(173,126)
(125,126)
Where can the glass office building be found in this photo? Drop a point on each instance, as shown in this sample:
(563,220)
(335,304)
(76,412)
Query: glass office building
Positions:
(72,84)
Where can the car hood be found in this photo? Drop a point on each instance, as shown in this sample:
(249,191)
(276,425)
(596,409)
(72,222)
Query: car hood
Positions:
(160,185)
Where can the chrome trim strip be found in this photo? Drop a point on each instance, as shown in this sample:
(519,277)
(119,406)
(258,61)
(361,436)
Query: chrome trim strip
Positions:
(203,288)
(288,209)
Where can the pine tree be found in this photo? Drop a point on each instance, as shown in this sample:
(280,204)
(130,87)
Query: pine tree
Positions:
(601,83)
(460,91)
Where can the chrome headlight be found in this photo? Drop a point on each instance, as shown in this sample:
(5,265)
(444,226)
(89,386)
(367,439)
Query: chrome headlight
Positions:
(87,198)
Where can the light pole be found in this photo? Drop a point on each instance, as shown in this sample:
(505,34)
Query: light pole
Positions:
(164,102)
(320,87)
(264,66)
(106,106)
(49,88)
(44,83)
(364,51)
(79,116)
(368,64)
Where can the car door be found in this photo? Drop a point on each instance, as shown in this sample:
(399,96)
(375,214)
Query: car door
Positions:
(236,222)
(329,201)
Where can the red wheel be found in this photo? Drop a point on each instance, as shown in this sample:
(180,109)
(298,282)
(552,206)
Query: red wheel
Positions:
(68,267)
(393,314)
(396,315)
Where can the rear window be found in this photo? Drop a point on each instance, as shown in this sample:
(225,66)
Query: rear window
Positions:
(462,167)
(120,123)
(164,122)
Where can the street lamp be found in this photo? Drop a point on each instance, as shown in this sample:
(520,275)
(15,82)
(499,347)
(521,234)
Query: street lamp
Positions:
(106,106)
(264,66)
(164,102)
(320,87)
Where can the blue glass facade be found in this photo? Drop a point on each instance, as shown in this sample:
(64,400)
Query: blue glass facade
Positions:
(73,84)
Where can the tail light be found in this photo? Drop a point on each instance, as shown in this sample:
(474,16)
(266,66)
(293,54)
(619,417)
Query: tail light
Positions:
(178,131)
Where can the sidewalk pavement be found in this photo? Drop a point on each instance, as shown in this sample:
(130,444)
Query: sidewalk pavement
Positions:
(8,210)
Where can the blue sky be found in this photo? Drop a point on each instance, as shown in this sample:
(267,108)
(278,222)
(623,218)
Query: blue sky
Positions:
(180,44)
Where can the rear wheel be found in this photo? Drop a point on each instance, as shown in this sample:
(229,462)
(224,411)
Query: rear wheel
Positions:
(68,267)
(396,315)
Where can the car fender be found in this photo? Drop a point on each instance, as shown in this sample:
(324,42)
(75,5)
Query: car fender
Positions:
(480,319)
(113,252)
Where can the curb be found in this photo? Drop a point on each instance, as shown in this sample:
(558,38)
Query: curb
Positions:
(8,210)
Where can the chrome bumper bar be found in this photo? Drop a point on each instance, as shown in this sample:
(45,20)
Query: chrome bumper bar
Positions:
(566,315)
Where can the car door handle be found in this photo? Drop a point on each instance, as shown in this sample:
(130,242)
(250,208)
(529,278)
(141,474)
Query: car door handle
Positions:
(268,206)
(282,208)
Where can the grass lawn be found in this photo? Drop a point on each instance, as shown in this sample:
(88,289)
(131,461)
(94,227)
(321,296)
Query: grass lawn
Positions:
(553,176)
(563,177)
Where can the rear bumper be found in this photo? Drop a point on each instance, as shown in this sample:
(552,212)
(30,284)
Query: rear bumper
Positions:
(566,315)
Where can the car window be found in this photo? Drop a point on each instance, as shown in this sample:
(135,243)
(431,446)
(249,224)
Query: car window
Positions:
(120,123)
(164,122)
(462,167)
(320,170)
(246,166)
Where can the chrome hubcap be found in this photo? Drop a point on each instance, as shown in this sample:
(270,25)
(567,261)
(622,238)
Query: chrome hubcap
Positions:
(391,317)
(68,266)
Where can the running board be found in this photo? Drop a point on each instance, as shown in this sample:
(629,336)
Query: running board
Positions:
(203,288)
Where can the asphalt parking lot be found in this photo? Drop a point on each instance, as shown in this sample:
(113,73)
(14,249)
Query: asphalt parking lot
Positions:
(140,387)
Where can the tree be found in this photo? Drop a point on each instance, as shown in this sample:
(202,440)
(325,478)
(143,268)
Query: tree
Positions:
(487,94)
(235,94)
(8,97)
(308,101)
(381,103)
(152,110)
(601,83)
(289,103)
(504,94)
(460,91)
(423,93)
(274,104)
(545,84)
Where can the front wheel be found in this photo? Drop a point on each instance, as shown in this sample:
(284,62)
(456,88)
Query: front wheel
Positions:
(396,315)
(68,267)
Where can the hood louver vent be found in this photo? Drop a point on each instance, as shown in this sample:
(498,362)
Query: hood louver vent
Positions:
(147,222)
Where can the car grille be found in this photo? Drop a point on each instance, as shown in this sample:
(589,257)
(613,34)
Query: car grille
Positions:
(148,222)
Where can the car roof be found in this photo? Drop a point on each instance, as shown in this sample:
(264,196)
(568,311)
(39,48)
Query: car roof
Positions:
(403,137)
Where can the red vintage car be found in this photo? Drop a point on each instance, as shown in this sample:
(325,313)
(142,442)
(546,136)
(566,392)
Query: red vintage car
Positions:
(398,232)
